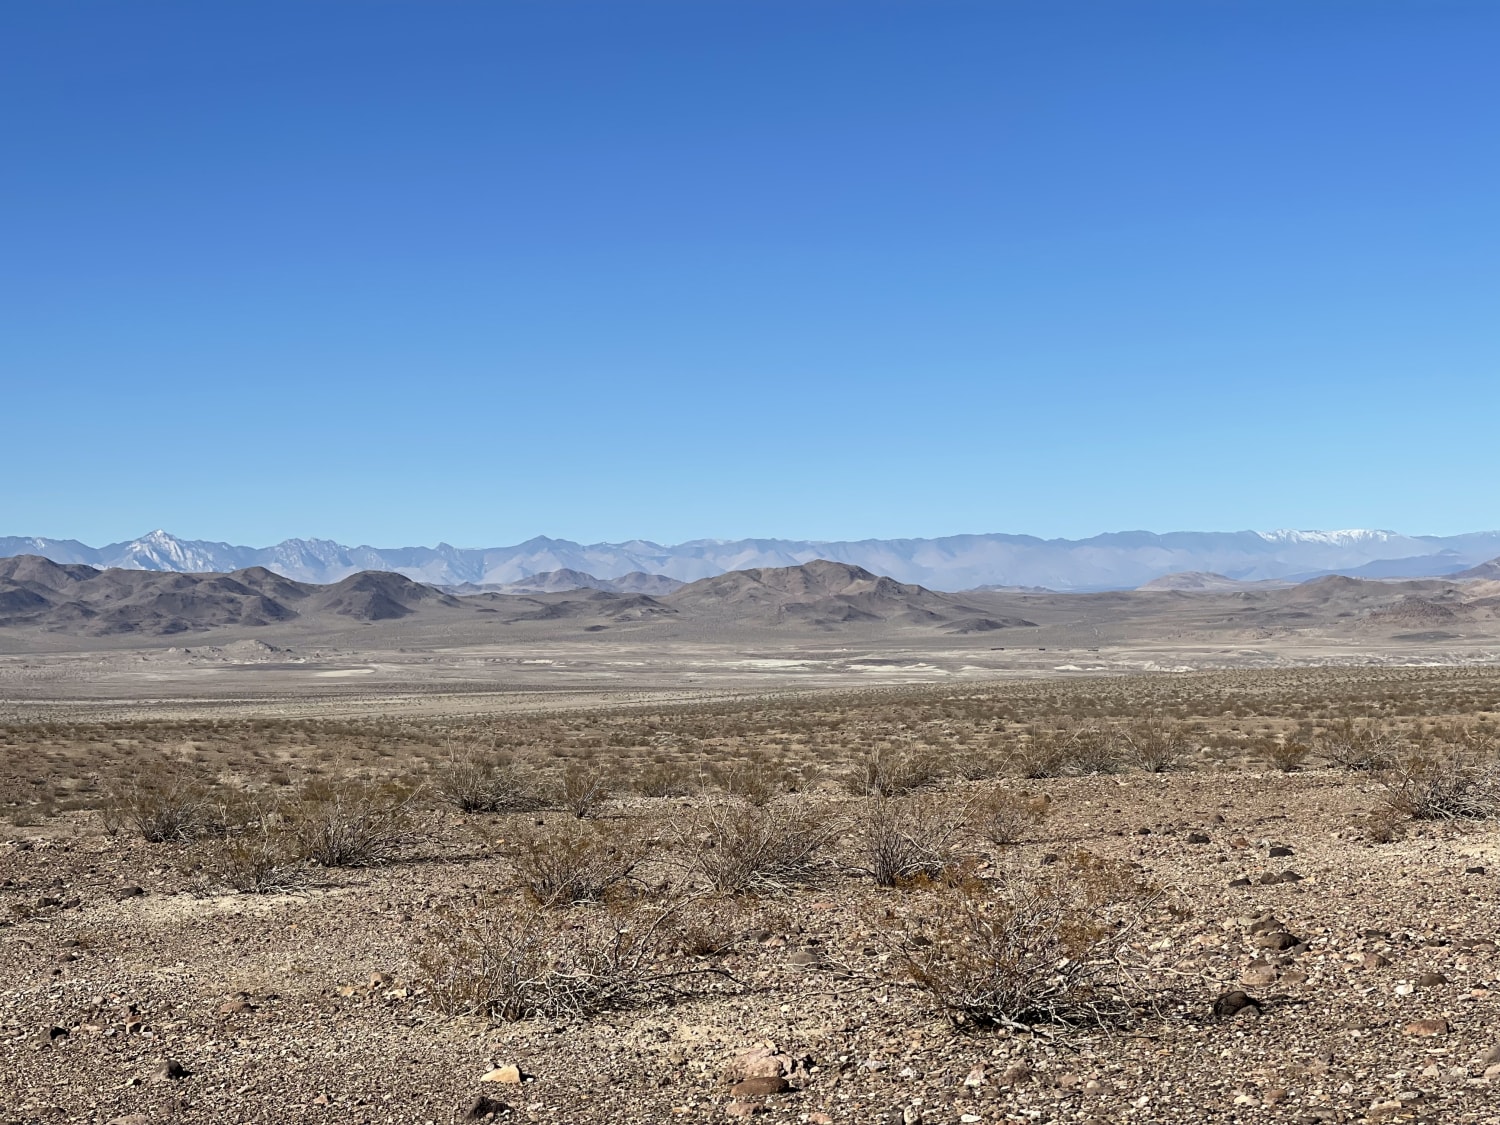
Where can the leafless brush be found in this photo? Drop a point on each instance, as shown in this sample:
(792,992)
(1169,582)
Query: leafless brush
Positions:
(354,824)
(1443,783)
(1003,817)
(260,860)
(582,789)
(1154,746)
(1286,754)
(903,838)
(739,848)
(757,781)
(168,806)
(514,962)
(1362,747)
(1037,950)
(476,779)
(572,862)
(889,771)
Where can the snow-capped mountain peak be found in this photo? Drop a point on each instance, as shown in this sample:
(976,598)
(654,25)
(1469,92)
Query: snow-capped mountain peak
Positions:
(1346,538)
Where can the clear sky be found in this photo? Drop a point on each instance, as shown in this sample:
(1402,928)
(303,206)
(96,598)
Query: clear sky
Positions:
(475,271)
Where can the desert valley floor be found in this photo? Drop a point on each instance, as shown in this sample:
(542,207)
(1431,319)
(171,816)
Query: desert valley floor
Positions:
(698,865)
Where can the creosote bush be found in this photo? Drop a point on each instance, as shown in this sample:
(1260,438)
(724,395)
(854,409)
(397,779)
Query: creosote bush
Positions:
(1361,747)
(515,962)
(1031,950)
(476,779)
(737,848)
(757,781)
(1003,817)
(1043,753)
(582,789)
(1444,783)
(1155,746)
(901,839)
(262,859)
(1286,754)
(572,862)
(890,771)
(164,807)
(353,824)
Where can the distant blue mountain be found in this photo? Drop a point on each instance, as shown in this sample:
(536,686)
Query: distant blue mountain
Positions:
(1118,560)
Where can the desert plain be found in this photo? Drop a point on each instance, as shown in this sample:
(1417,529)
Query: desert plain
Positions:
(804,846)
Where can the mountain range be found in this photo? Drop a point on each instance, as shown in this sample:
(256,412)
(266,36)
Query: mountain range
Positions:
(75,599)
(1117,560)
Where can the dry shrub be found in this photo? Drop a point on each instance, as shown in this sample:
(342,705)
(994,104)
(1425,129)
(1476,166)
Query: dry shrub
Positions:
(1043,753)
(890,771)
(172,806)
(1363,747)
(1443,783)
(582,789)
(478,780)
(708,928)
(900,839)
(573,862)
(354,824)
(1033,950)
(1003,817)
(738,848)
(1154,746)
(1286,754)
(664,779)
(757,781)
(262,860)
(1381,826)
(1090,750)
(515,962)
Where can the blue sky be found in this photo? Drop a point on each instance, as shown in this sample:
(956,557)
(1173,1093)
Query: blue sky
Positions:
(406,272)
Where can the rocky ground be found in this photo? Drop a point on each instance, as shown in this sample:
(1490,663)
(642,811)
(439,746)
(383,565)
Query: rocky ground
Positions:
(131,992)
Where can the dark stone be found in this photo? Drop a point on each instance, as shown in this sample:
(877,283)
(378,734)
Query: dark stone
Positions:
(482,1108)
(1280,850)
(1197,838)
(1230,1004)
(759,1087)
(1279,941)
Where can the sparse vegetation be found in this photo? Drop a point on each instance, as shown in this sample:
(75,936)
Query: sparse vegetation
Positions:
(1155,746)
(737,848)
(513,962)
(572,862)
(1286,754)
(262,859)
(1439,782)
(1003,817)
(161,807)
(900,839)
(583,788)
(1361,747)
(477,779)
(1032,949)
(353,824)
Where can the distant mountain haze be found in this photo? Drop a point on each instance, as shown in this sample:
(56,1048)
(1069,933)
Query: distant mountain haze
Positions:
(1117,560)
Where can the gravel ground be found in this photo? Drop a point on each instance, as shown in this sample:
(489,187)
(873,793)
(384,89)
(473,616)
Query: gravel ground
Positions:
(129,994)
